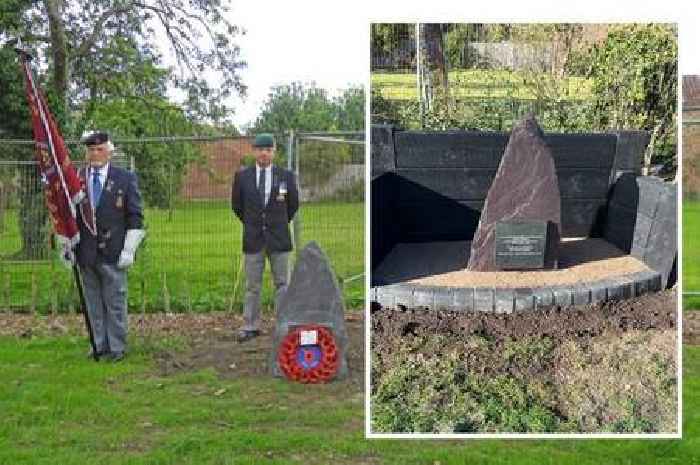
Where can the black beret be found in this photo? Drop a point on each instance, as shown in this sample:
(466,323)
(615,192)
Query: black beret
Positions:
(96,138)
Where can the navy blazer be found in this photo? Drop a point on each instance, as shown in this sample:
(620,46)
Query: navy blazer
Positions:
(119,209)
(265,226)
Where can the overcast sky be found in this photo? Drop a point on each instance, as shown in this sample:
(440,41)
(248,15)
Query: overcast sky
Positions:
(328,42)
(298,41)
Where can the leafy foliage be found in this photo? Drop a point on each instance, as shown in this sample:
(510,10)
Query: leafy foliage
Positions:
(631,72)
(635,74)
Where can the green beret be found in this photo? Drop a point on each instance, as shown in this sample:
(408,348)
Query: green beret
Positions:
(264,140)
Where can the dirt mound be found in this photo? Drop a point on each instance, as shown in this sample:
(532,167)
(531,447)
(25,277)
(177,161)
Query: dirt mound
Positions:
(652,311)
(231,359)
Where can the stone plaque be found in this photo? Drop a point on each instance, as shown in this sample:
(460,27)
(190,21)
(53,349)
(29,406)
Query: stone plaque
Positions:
(520,245)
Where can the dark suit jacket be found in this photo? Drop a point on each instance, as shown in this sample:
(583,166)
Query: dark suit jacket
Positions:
(120,209)
(265,227)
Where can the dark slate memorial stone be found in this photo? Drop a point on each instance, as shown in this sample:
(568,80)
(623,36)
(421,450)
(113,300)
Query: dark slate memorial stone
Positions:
(525,189)
(520,245)
(312,297)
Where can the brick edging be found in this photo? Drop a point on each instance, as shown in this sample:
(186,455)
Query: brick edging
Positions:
(509,300)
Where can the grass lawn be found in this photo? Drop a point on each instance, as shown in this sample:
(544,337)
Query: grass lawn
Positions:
(57,409)
(477,84)
(691,253)
(191,260)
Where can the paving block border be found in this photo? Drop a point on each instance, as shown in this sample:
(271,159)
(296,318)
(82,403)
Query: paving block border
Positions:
(510,300)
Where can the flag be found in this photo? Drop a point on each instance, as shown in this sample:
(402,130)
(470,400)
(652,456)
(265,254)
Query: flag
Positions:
(62,185)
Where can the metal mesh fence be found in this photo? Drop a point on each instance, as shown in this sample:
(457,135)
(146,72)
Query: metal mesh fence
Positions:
(473,76)
(331,176)
(191,259)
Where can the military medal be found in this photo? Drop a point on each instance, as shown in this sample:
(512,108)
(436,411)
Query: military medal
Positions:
(282,192)
(120,199)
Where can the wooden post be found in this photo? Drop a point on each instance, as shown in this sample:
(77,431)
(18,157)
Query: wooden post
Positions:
(166,293)
(34,296)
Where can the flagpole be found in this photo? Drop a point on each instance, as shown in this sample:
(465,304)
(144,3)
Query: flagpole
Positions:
(25,59)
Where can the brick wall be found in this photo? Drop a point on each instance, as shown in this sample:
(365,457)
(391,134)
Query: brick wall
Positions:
(212,179)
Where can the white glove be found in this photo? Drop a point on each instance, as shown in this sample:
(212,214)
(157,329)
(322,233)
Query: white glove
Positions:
(65,252)
(131,243)
(67,257)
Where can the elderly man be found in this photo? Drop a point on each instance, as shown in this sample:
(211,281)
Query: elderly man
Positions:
(265,199)
(111,229)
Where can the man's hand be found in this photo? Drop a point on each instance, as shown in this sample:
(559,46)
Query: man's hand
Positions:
(67,256)
(131,243)
(126,259)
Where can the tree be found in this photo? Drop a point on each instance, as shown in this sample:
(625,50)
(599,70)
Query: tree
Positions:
(635,74)
(435,85)
(99,69)
(86,44)
(305,107)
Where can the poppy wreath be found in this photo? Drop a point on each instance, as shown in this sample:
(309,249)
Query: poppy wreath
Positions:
(314,363)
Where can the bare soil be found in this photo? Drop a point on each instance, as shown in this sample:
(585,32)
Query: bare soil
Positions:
(232,359)
(652,311)
(209,341)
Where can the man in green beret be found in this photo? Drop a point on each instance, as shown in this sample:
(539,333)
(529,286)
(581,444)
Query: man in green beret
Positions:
(265,198)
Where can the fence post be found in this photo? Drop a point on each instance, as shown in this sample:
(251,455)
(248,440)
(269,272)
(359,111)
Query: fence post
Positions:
(297,217)
(166,293)
(35,293)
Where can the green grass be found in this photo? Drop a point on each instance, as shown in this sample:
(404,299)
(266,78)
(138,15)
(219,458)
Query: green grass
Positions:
(691,253)
(191,260)
(478,84)
(58,407)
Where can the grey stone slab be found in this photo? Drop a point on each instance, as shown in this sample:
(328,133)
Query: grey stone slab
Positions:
(455,184)
(484,300)
(437,219)
(583,150)
(444,298)
(419,149)
(562,296)
(524,300)
(582,217)
(403,294)
(640,286)
(580,183)
(650,192)
(504,300)
(626,287)
(581,295)
(312,297)
(615,291)
(463,299)
(544,297)
(383,157)
(423,296)
(387,299)
(640,237)
(630,149)
(599,291)
(654,283)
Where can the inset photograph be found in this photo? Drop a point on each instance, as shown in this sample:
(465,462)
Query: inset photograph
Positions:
(523,229)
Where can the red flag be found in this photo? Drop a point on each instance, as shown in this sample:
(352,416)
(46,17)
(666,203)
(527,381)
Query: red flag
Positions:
(63,188)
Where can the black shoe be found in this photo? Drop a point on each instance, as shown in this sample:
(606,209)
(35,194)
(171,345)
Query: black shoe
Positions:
(116,357)
(100,355)
(246,335)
